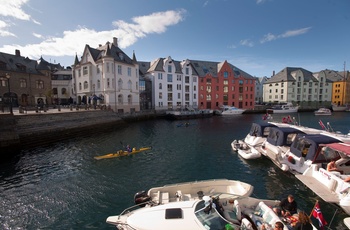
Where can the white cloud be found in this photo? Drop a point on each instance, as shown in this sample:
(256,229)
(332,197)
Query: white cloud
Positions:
(247,42)
(290,33)
(37,35)
(205,3)
(3,30)
(232,47)
(74,41)
(13,9)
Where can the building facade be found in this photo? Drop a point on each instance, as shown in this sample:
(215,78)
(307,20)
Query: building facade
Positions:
(259,89)
(108,77)
(174,84)
(221,83)
(29,82)
(298,86)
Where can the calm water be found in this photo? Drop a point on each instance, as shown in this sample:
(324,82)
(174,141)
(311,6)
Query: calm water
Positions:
(63,187)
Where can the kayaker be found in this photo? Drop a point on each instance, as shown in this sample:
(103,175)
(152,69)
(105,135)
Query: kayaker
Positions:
(128,148)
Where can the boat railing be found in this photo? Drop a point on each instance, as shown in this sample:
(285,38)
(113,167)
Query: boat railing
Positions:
(137,206)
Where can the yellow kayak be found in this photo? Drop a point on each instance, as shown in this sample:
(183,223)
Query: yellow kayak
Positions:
(121,153)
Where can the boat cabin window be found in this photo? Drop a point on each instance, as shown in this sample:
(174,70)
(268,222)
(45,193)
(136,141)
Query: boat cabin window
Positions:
(302,146)
(267,131)
(327,154)
(173,213)
(290,138)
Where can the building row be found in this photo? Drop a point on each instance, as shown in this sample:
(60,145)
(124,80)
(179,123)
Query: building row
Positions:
(105,75)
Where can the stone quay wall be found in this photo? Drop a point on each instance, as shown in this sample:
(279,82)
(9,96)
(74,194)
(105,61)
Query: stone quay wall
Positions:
(30,130)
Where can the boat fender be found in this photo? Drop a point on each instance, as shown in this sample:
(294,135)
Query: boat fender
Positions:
(291,159)
(284,167)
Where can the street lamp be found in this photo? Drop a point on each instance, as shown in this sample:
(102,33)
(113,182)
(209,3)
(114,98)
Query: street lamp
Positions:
(8,84)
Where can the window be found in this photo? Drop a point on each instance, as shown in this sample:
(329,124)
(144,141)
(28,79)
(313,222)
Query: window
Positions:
(107,64)
(79,72)
(85,70)
(39,84)
(129,71)
(160,95)
(23,83)
(129,99)
(79,85)
(225,82)
(119,69)
(54,91)
(120,99)
(170,77)
(160,76)
(63,91)
(108,83)
(120,84)
(86,85)
(187,79)
(225,74)
(160,85)
(187,71)
(98,84)
(178,77)
(97,69)
(169,68)
(129,85)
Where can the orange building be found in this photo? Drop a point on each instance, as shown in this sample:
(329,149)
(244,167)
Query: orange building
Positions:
(221,83)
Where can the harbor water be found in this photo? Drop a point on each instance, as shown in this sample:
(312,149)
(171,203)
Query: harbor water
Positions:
(62,186)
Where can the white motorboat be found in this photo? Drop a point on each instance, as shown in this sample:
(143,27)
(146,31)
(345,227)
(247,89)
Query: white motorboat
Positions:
(339,108)
(330,186)
(278,143)
(246,151)
(285,108)
(305,151)
(231,110)
(256,136)
(177,206)
(323,112)
(219,208)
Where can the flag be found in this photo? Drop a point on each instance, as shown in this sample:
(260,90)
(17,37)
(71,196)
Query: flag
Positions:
(316,212)
(322,125)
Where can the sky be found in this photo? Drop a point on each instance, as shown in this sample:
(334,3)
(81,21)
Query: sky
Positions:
(257,36)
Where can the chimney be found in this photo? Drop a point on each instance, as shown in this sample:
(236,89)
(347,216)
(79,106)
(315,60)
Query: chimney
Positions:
(18,53)
(115,41)
(273,73)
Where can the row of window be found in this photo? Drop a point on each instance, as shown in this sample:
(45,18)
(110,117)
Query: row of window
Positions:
(108,84)
(87,69)
(39,84)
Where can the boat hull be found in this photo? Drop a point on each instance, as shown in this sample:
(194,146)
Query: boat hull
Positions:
(121,153)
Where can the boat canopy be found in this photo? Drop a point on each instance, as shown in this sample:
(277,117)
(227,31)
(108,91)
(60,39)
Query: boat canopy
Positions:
(341,147)
(307,146)
(282,136)
(261,129)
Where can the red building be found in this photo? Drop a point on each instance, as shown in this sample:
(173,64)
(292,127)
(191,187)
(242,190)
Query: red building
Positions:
(221,83)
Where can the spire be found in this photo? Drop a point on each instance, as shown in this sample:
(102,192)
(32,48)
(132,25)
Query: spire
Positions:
(76,61)
(134,57)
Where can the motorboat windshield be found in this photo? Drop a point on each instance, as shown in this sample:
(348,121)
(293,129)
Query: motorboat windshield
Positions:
(211,219)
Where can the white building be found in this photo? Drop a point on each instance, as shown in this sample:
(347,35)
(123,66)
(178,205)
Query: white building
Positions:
(259,89)
(62,87)
(174,84)
(298,86)
(111,75)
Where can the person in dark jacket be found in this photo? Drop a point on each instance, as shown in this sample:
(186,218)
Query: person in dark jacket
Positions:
(287,207)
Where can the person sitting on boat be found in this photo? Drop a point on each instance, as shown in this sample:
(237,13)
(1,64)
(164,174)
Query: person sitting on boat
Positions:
(288,206)
(208,204)
(332,167)
(128,148)
(303,223)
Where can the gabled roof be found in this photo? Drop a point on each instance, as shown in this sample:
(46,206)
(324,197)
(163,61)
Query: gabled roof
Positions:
(286,75)
(332,75)
(16,63)
(207,67)
(158,65)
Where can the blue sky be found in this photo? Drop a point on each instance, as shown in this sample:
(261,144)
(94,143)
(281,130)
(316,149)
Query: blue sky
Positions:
(257,36)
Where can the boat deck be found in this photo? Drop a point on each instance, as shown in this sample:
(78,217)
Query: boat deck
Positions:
(318,188)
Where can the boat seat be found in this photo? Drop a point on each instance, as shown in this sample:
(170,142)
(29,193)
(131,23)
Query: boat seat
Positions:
(156,197)
(165,198)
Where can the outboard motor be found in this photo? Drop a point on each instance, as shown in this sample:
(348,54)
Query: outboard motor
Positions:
(140,198)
